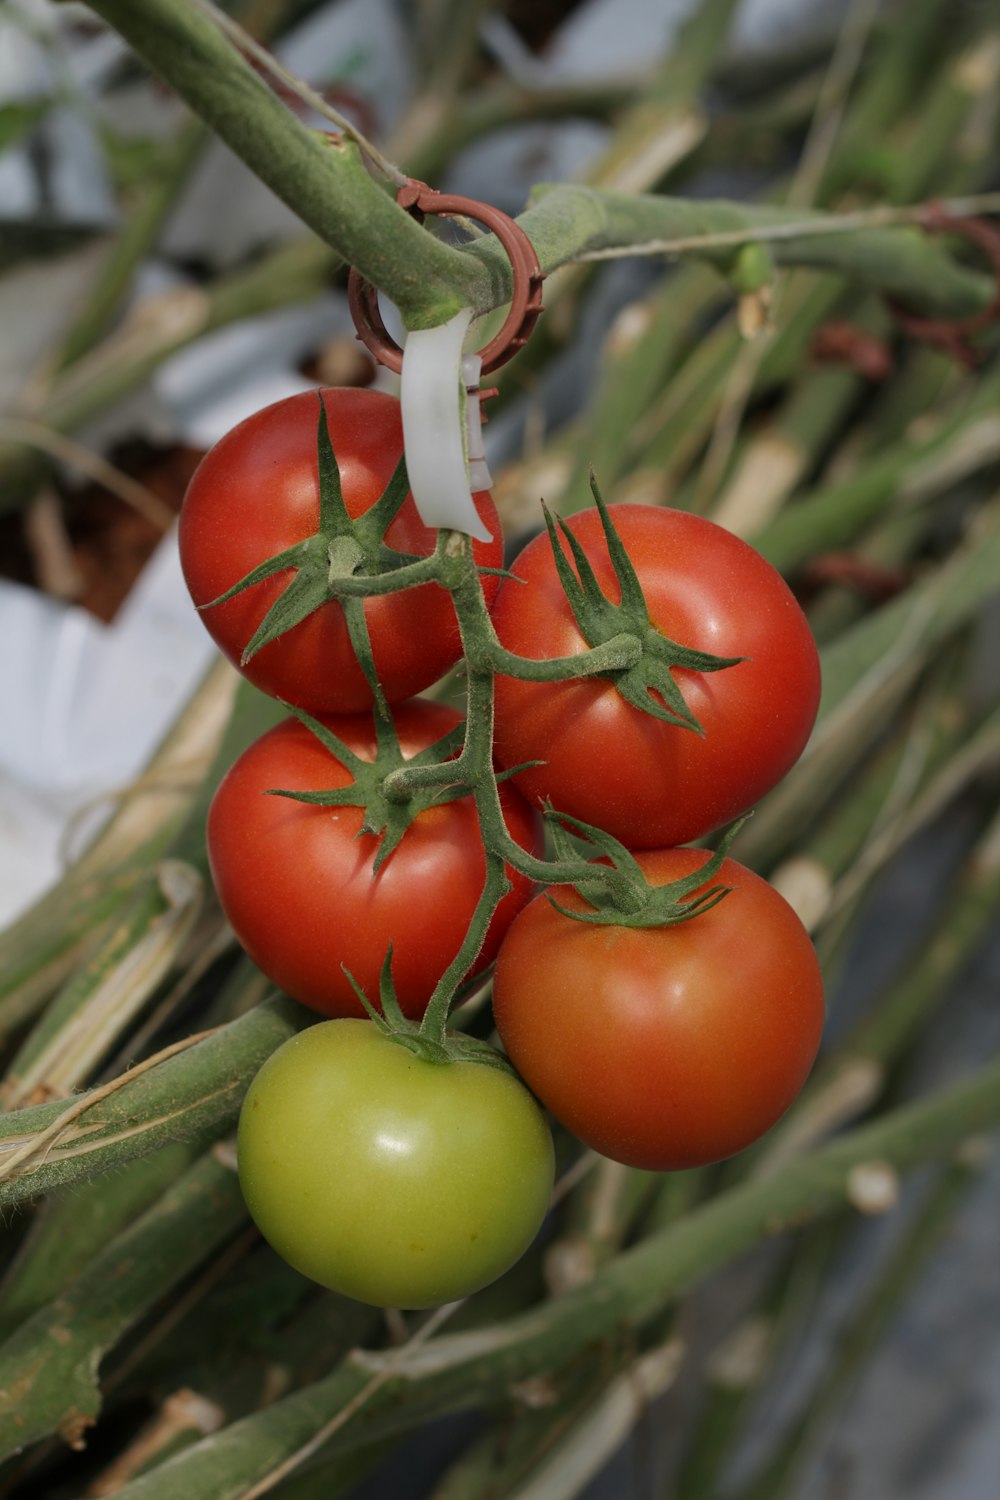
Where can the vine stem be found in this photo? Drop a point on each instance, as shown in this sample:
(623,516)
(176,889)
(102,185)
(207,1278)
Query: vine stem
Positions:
(316,101)
(326,183)
(475,765)
(813,227)
(483,654)
(45,1138)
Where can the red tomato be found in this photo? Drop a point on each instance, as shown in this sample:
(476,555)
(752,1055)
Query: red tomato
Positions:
(649,783)
(665,1047)
(257,493)
(297,884)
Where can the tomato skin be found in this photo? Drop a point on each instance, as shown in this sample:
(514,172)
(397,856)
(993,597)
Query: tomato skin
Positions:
(257,492)
(393,1180)
(667,1047)
(296,880)
(649,783)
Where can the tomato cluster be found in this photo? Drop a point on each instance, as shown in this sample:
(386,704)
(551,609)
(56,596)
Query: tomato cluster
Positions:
(384,1157)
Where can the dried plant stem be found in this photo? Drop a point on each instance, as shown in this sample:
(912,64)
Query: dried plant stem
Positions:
(48,1367)
(868,670)
(194,1095)
(105,995)
(851,1082)
(866,1325)
(145,217)
(19,430)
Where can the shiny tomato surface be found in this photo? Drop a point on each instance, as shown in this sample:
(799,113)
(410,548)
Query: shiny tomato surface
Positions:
(400,1182)
(297,881)
(664,1047)
(650,783)
(257,493)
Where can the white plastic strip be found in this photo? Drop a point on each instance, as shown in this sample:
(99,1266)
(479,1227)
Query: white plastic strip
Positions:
(480,477)
(433,400)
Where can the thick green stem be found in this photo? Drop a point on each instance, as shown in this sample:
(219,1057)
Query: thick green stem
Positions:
(48,1368)
(62,1242)
(323,180)
(194,1096)
(326,183)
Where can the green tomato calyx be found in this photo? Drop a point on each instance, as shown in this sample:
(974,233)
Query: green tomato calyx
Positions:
(346,558)
(389,807)
(632,901)
(449,1047)
(648,683)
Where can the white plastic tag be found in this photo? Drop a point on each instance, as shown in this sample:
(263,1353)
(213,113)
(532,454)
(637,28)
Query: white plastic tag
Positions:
(435,426)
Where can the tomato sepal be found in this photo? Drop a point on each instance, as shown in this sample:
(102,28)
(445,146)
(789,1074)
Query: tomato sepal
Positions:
(389,810)
(296,556)
(601,620)
(453,1046)
(633,902)
(390,1020)
(342,548)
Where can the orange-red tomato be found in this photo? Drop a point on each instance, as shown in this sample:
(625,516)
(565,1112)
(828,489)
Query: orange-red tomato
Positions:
(296,880)
(664,1047)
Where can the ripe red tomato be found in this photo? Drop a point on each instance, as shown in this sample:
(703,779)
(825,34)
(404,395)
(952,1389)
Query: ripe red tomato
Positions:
(257,493)
(664,1047)
(296,880)
(650,783)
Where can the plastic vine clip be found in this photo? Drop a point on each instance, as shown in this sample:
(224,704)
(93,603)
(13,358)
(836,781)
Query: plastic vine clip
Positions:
(526,302)
(953,334)
(439,392)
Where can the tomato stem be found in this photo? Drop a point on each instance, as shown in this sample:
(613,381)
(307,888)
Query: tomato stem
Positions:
(617,654)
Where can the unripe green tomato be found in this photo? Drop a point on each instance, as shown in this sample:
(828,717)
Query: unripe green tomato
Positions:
(397,1181)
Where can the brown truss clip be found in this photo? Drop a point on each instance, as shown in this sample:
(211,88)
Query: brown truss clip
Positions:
(526,302)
